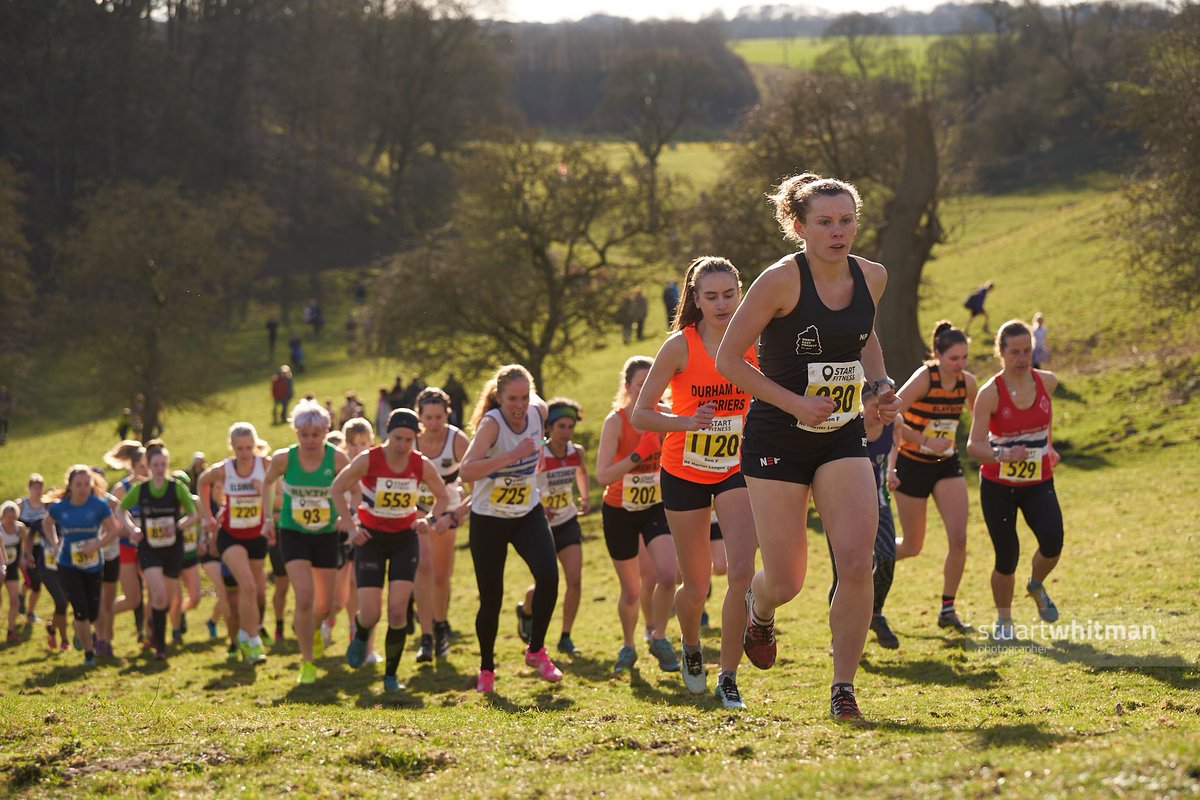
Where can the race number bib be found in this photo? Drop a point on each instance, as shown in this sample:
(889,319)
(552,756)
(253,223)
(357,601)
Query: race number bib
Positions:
(395,497)
(512,493)
(191,540)
(716,449)
(160,531)
(425,498)
(50,557)
(245,511)
(639,490)
(311,513)
(940,429)
(82,560)
(1027,471)
(10,553)
(840,381)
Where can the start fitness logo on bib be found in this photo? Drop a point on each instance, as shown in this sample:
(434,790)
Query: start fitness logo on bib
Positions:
(808,342)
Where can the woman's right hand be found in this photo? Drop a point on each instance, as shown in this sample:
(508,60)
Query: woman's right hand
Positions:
(524,449)
(812,410)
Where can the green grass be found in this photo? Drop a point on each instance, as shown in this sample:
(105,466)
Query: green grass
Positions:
(1085,717)
(802,52)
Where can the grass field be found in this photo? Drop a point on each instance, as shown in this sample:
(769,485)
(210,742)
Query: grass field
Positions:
(1066,714)
(801,52)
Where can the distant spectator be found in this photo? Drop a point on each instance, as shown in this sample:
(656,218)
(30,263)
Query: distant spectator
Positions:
(352,408)
(411,391)
(1041,354)
(296,353)
(671,301)
(329,408)
(974,304)
(351,327)
(6,404)
(458,400)
(360,293)
(625,318)
(640,309)
(383,409)
(272,336)
(125,424)
(137,411)
(396,395)
(281,395)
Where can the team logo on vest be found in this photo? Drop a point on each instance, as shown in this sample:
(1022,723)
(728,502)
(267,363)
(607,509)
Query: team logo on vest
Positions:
(808,342)
(446,462)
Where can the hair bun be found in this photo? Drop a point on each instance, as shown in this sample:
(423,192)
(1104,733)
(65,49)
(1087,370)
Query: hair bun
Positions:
(942,327)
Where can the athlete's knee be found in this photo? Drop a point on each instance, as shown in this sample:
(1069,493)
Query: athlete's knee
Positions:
(694,593)
(782,587)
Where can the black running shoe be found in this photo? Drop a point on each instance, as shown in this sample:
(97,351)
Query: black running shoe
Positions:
(524,623)
(883,632)
(426,652)
(950,619)
(842,704)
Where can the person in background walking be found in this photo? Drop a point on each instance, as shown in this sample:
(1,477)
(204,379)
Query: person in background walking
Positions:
(640,309)
(670,301)
(296,352)
(1041,354)
(281,394)
(974,304)
(272,336)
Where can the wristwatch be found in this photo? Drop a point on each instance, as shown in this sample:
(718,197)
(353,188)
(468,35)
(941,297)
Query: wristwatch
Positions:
(635,458)
(882,381)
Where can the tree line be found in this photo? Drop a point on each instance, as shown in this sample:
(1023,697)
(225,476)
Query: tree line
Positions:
(173,152)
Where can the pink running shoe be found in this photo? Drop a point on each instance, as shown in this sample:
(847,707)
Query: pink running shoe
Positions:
(545,666)
(486,682)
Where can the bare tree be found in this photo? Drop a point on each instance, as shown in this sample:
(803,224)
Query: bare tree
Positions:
(531,269)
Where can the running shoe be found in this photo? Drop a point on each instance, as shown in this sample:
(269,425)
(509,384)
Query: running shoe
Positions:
(278,633)
(12,637)
(727,693)
(441,639)
(318,644)
(89,660)
(661,649)
(695,677)
(51,639)
(244,650)
(950,619)
(842,704)
(32,618)
(758,641)
(545,667)
(626,657)
(486,682)
(524,623)
(883,632)
(308,673)
(233,653)
(1003,630)
(565,645)
(326,634)
(64,645)
(103,649)
(177,636)
(266,637)
(212,629)
(257,656)
(374,658)
(391,683)
(425,652)
(356,652)
(1045,606)
(160,654)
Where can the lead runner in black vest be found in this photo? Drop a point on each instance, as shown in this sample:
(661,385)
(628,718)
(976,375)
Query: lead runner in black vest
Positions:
(813,314)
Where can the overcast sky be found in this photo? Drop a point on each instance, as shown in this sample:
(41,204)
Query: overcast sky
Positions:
(556,10)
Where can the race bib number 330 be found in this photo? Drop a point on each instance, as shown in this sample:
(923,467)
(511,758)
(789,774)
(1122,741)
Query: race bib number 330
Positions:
(842,383)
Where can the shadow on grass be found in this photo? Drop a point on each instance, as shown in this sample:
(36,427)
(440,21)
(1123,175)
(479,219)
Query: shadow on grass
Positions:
(1087,458)
(545,700)
(1174,671)
(1026,735)
(230,675)
(63,673)
(438,676)
(940,673)
(676,695)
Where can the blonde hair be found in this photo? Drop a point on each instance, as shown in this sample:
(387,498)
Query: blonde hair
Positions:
(309,412)
(794,195)
(124,455)
(358,426)
(7,506)
(489,396)
(632,365)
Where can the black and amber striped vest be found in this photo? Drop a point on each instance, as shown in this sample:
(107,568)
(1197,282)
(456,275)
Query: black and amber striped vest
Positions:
(935,415)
